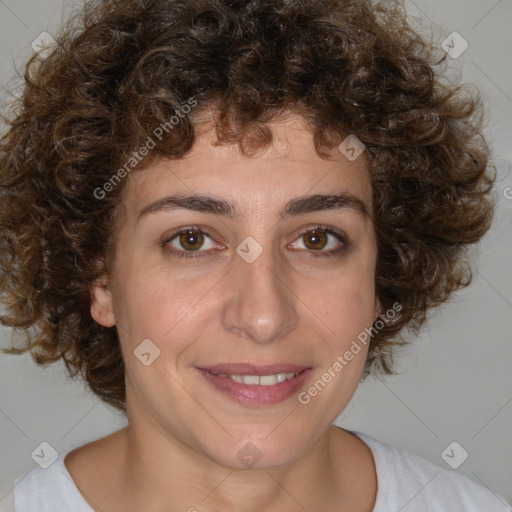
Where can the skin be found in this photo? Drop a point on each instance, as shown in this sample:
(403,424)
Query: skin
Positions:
(180,449)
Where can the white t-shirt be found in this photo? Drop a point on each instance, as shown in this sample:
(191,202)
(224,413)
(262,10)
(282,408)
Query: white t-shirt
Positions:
(406,483)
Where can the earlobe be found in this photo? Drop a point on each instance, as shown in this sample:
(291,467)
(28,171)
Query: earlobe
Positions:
(101,303)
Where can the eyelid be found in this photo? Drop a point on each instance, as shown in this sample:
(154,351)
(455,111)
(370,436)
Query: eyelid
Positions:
(329,230)
(171,236)
(340,235)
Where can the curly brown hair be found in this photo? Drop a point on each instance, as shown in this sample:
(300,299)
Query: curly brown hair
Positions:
(123,67)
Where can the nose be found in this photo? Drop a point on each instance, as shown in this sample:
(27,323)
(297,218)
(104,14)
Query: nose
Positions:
(260,304)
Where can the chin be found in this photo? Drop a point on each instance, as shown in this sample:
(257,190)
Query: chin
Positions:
(257,448)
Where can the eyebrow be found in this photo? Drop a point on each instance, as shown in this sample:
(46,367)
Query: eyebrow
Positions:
(297,206)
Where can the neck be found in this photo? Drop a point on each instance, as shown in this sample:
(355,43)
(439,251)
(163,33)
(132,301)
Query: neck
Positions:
(158,469)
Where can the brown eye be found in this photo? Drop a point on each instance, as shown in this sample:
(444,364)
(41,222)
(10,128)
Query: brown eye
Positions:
(191,240)
(315,239)
(187,241)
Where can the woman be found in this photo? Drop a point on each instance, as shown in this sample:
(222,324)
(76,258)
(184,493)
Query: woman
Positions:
(222,214)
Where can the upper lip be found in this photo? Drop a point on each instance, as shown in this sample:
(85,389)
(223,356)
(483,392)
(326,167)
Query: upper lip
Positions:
(251,369)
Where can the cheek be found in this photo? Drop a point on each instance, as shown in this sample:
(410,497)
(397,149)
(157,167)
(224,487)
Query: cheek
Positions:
(345,302)
(156,303)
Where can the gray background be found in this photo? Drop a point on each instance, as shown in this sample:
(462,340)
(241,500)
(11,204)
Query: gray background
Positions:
(455,382)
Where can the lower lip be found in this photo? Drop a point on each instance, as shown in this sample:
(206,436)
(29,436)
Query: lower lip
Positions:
(255,394)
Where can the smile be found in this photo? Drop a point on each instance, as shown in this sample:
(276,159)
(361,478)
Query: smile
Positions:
(259,380)
(256,385)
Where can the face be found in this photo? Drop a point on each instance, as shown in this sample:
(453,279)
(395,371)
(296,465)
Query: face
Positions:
(249,306)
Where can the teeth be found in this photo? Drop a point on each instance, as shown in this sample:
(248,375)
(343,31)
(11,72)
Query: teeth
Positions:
(251,379)
(262,380)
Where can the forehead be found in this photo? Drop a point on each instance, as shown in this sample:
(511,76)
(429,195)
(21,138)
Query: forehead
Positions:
(288,168)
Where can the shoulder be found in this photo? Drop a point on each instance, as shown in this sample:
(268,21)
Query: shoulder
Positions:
(47,490)
(408,482)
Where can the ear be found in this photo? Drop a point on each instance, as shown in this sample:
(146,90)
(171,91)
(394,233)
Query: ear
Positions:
(101,303)
(378,308)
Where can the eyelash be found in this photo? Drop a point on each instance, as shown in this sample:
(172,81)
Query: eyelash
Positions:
(316,254)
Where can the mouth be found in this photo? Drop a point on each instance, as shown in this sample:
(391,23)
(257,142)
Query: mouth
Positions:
(256,385)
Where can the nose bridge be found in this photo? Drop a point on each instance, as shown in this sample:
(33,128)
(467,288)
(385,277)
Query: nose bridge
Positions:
(261,305)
